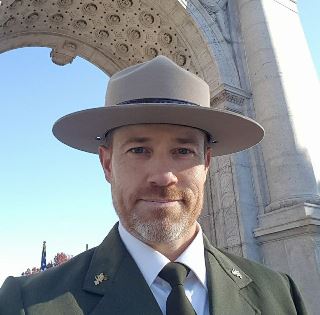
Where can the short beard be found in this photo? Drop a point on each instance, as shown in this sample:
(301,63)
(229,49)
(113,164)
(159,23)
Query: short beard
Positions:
(158,230)
(165,227)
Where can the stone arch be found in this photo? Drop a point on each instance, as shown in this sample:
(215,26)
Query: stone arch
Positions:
(113,34)
(110,34)
(205,13)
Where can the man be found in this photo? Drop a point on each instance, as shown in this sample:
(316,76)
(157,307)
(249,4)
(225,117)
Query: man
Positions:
(155,138)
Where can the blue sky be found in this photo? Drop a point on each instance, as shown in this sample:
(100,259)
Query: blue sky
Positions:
(309,12)
(47,190)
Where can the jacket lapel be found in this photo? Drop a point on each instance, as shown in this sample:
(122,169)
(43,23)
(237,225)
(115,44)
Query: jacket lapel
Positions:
(123,289)
(227,285)
(114,275)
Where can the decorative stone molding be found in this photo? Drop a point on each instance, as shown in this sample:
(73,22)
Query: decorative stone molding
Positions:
(60,58)
(222,51)
(63,3)
(289,241)
(292,202)
(229,97)
(90,9)
(65,54)
(221,207)
(295,220)
(217,9)
(166,39)
(126,31)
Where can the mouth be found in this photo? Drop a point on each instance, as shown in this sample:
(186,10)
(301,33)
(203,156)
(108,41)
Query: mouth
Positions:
(161,202)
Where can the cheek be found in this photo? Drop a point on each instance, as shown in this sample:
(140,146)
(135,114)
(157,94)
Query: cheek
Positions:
(120,170)
(195,177)
(126,180)
(128,170)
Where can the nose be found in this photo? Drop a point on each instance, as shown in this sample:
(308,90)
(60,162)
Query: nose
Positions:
(162,178)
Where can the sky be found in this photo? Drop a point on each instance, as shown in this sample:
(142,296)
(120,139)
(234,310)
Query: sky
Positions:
(48,191)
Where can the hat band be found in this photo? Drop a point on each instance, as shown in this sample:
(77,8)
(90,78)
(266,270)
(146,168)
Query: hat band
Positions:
(157,101)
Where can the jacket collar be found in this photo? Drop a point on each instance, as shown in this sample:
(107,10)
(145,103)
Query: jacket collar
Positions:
(124,290)
(121,283)
(228,284)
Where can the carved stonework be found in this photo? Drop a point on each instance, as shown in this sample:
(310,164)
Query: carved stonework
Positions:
(113,19)
(102,34)
(60,58)
(90,9)
(32,18)
(57,18)
(65,54)
(39,2)
(129,5)
(64,3)
(276,205)
(147,19)
(122,49)
(125,4)
(229,98)
(181,59)
(9,22)
(151,52)
(134,35)
(16,4)
(80,24)
(221,207)
(217,9)
(166,39)
(72,47)
(131,30)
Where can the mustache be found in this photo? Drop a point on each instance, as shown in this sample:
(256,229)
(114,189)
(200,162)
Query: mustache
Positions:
(168,193)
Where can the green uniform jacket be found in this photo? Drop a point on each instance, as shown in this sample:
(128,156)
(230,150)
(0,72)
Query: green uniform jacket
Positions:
(236,286)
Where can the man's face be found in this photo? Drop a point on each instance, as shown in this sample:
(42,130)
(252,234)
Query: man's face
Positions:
(157,174)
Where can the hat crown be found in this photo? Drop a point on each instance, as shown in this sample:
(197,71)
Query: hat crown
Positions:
(159,78)
(157,92)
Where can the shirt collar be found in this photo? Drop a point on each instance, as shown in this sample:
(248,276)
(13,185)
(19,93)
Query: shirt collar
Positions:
(141,253)
(195,249)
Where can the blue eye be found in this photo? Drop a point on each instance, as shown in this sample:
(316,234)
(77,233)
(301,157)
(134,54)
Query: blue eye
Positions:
(184,151)
(137,150)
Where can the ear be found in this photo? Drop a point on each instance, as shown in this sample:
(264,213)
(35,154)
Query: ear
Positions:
(105,155)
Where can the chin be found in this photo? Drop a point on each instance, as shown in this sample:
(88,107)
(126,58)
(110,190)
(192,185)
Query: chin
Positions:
(158,231)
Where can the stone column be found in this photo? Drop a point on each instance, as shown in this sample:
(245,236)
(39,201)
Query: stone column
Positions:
(284,85)
(281,84)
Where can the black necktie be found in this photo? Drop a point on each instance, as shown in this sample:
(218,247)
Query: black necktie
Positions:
(177,301)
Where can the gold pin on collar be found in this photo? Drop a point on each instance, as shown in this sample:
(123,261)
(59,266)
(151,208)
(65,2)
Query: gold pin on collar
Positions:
(99,278)
(236,273)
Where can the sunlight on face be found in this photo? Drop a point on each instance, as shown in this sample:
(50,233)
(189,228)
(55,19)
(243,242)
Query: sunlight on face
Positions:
(157,174)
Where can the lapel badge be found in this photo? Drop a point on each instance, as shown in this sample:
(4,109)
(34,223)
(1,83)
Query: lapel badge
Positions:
(99,278)
(236,273)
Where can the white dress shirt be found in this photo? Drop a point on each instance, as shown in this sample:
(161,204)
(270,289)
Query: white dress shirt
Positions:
(151,262)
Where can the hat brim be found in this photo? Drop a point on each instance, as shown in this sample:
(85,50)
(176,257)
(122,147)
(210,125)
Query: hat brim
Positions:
(233,132)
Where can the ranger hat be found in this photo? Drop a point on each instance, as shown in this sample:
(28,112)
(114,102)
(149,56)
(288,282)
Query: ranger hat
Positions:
(158,92)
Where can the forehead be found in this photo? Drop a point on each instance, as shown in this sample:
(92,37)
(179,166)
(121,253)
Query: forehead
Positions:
(163,131)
